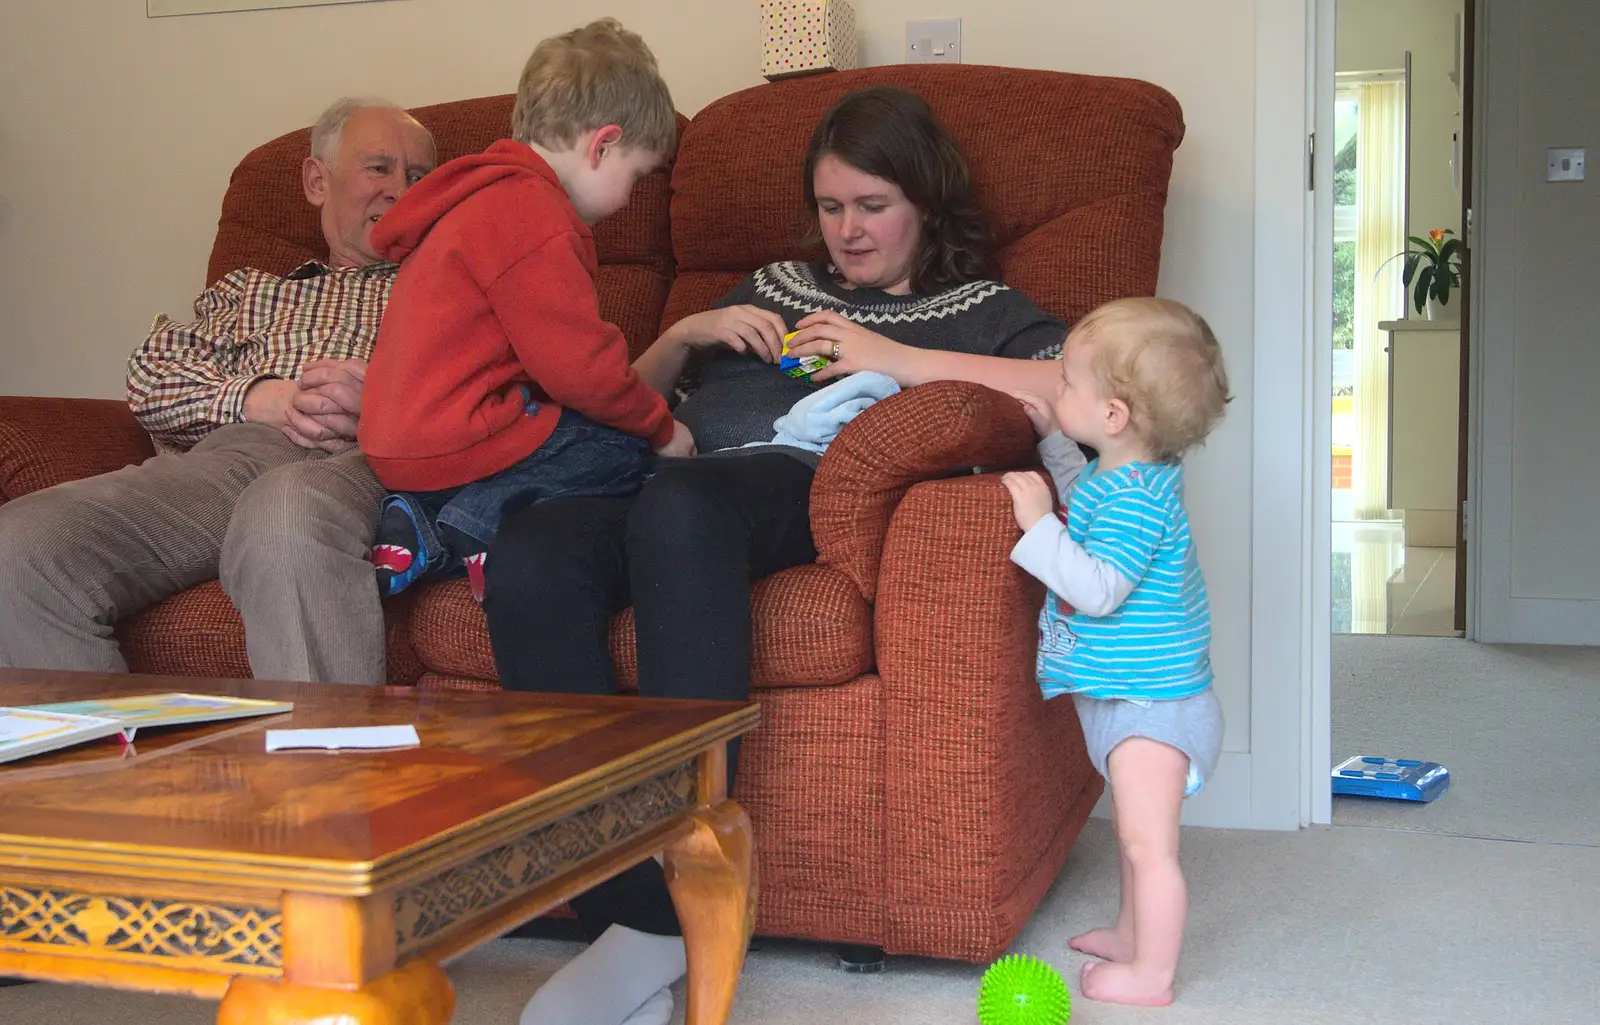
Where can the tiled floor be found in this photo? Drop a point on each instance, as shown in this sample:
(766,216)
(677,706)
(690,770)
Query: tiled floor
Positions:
(1382,587)
(1423,597)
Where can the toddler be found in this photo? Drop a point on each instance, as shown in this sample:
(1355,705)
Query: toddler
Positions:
(1126,628)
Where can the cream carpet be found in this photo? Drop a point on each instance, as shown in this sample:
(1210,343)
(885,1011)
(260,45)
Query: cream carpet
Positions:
(1517,726)
(1322,927)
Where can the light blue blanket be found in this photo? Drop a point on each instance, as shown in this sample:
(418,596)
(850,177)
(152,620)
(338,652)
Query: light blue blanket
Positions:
(818,418)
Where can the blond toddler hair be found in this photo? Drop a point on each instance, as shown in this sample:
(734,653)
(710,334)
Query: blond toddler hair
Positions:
(591,77)
(1161,359)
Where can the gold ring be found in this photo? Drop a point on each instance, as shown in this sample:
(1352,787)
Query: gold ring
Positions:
(836,352)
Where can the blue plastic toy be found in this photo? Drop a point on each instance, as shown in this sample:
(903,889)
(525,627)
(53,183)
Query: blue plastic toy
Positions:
(1399,779)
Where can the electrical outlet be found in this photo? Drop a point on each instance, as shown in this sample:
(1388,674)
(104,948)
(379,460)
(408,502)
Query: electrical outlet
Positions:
(936,41)
(1563,165)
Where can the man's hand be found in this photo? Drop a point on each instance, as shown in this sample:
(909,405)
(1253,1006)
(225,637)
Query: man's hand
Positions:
(325,411)
(1030,497)
(268,400)
(339,379)
(682,443)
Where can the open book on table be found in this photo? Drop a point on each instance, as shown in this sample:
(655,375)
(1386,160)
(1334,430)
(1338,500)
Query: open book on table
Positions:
(36,729)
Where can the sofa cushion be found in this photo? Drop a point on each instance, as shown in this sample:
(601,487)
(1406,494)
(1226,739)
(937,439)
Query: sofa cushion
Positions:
(811,628)
(198,632)
(1074,178)
(696,290)
(266,222)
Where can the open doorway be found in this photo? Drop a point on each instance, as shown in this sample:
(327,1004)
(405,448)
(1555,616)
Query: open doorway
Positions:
(1482,709)
(1403,103)
(1397,426)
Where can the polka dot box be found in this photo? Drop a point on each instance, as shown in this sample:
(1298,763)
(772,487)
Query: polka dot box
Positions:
(804,36)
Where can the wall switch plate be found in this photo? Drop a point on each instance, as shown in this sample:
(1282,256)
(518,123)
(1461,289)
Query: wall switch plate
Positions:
(936,41)
(1564,165)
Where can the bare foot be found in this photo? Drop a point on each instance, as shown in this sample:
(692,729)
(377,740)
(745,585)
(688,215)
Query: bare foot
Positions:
(1108,944)
(1122,984)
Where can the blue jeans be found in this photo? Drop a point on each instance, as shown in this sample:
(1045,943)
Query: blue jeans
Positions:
(580,459)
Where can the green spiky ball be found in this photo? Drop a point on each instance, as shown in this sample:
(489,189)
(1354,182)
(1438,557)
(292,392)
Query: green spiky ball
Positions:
(1023,990)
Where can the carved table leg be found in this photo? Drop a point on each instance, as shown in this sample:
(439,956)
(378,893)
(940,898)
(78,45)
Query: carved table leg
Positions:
(417,994)
(339,966)
(711,874)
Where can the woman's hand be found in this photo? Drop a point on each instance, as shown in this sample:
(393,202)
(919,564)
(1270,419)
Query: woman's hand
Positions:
(1039,412)
(742,329)
(1030,497)
(826,333)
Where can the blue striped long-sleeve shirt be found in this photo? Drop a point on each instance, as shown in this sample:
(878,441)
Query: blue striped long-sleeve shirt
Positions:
(1155,644)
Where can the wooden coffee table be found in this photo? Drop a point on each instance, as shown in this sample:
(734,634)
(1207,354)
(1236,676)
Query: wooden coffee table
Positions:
(329,886)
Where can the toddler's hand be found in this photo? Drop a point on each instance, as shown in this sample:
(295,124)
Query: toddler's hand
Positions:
(1038,410)
(682,443)
(1030,497)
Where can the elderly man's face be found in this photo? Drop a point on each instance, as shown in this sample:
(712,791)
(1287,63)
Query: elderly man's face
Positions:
(381,154)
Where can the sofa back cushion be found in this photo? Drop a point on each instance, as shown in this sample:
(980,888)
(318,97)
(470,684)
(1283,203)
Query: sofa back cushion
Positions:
(266,222)
(1071,171)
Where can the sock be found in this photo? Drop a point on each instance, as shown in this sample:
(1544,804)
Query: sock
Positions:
(616,980)
(475,575)
(397,552)
(394,552)
(466,552)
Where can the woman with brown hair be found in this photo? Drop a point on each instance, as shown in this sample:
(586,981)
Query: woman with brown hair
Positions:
(909,255)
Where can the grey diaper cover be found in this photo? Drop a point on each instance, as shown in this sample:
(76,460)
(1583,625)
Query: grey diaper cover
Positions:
(1193,725)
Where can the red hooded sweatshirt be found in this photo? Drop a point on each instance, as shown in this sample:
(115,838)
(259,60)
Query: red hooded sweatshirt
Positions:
(496,293)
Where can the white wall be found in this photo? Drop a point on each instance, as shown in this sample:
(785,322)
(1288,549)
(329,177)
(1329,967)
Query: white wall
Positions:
(117,134)
(1374,35)
(1539,328)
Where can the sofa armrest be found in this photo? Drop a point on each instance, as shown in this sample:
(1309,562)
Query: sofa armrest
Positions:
(928,432)
(44,442)
(985,780)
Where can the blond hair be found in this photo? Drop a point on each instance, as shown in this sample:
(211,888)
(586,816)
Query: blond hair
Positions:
(589,78)
(1161,359)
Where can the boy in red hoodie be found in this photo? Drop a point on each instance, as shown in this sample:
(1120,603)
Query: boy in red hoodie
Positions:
(494,382)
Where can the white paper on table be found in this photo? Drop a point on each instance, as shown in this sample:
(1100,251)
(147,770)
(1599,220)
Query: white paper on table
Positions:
(334,739)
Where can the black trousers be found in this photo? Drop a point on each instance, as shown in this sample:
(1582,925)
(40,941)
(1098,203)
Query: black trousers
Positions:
(683,553)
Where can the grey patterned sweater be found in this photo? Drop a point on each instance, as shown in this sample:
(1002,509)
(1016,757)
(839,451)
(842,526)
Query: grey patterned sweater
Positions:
(729,400)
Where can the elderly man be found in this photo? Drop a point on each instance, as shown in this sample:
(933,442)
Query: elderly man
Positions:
(253,406)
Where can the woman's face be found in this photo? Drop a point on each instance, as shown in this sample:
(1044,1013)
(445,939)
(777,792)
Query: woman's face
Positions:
(871,229)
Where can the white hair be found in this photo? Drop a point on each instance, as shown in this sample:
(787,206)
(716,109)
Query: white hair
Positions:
(325,133)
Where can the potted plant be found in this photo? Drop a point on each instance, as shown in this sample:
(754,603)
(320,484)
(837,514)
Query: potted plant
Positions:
(1432,269)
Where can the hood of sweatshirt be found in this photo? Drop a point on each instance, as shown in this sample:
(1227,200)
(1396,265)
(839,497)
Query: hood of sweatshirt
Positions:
(404,227)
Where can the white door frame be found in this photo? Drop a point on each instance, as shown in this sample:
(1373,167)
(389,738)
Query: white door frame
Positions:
(1289,617)
(1317,736)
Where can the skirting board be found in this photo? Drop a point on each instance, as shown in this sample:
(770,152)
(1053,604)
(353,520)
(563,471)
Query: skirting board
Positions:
(1223,803)
(1542,621)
